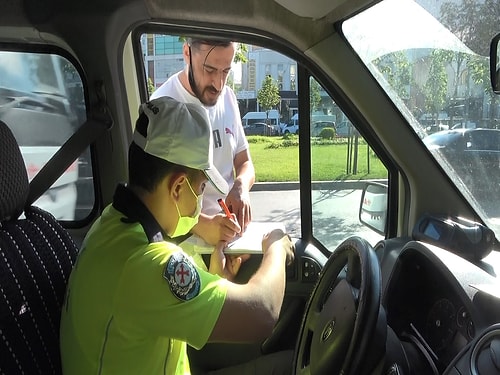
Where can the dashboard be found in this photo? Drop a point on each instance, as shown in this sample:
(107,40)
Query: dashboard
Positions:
(426,309)
(436,303)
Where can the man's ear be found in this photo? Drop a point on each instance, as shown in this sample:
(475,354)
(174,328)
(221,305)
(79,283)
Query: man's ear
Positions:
(186,51)
(175,184)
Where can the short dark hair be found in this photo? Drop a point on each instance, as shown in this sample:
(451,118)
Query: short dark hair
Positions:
(147,171)
(214,42)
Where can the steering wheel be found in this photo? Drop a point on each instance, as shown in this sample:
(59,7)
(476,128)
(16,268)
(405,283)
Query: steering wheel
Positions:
(344,327)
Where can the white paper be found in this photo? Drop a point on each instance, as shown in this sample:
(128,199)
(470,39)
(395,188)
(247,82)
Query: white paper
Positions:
(249,243)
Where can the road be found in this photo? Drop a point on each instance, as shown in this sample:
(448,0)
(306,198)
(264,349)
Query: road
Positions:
(335,213)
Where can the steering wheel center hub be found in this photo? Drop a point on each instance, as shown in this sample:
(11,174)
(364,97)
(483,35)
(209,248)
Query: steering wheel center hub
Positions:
(327,332)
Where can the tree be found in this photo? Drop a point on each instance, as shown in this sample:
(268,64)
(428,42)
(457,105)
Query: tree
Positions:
(315,95)
(396,69)
(268,95)
(472,22)
(480,74)
(151,86)
(241,53)
(435,88)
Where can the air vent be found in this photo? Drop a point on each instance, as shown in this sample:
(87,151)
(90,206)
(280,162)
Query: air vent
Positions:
(485,358)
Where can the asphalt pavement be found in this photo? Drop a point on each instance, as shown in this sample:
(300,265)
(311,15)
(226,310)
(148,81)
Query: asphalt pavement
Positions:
(334,210)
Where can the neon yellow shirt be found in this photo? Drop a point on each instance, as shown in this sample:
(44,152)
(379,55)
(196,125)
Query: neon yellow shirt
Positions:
(132,305)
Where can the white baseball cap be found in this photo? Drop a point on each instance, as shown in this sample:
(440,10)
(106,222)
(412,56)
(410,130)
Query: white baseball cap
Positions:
(181,134)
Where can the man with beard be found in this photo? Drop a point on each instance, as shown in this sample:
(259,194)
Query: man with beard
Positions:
(203,81)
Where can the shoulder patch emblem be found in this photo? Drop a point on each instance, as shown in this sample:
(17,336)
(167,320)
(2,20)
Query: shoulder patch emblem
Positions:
(182,277)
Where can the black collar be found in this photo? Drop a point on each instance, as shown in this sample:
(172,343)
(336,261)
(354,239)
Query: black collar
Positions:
(135,211)
(125,201)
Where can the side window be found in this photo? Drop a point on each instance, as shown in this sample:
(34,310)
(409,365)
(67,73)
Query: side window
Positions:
(481,140)
(265,84)
(42,102)
(341,163)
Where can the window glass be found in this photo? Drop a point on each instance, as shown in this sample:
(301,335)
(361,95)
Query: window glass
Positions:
(431,58)
(341,163)
(341,159)
(42,102)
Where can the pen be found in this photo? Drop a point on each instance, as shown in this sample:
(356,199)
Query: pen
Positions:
(222,204)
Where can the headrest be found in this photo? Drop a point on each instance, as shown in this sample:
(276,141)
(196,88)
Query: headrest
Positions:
(14,184)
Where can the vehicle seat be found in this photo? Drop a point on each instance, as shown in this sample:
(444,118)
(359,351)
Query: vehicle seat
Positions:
(36,258)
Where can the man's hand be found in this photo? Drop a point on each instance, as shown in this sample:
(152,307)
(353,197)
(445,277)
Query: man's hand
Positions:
(226,266)
(216,228)
(238,202)
(279,238)
(238,199)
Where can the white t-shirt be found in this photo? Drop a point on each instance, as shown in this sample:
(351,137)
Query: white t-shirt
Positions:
(229,137)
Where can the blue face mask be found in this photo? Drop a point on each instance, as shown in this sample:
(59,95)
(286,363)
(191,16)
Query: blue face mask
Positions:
(186,223)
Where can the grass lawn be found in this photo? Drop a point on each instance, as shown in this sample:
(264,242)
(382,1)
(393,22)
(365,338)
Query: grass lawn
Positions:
(276,159)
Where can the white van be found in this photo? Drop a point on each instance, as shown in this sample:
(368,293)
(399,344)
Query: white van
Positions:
(253,117)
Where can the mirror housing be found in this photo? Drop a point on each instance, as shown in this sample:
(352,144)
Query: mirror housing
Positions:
(373,206)
(495,64)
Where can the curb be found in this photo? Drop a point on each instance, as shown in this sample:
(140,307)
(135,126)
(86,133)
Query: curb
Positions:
(316,185)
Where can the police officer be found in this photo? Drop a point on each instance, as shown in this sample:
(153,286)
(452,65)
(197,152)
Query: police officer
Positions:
(135,299)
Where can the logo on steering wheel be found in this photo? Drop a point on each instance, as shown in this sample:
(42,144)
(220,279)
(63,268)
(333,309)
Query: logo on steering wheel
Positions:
(327,332)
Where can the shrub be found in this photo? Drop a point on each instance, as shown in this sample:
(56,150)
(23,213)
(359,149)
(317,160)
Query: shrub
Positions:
(290,142)
(257,139)
(327,133)
(287,136)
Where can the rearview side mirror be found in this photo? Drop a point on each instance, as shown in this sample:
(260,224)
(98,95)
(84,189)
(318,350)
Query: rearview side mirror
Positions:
(495,64)
(373,206)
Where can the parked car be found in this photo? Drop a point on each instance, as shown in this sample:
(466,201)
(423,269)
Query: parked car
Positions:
(260,128)
(418,294)
(318,121)
(344,129)
(318,126)
(463,140)
(291,128)
(465,125)
(433,128)
(474,152)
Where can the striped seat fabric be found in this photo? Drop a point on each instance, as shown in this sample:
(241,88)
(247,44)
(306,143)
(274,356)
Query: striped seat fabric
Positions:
(36,257)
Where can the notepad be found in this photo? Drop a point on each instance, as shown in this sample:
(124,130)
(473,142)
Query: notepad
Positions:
(249,243)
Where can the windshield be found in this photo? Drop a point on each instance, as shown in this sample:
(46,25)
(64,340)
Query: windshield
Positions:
(431,57)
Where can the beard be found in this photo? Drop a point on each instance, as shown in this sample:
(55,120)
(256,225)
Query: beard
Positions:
(207,95)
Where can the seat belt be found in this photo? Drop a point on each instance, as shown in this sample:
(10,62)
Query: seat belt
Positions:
(86,134)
